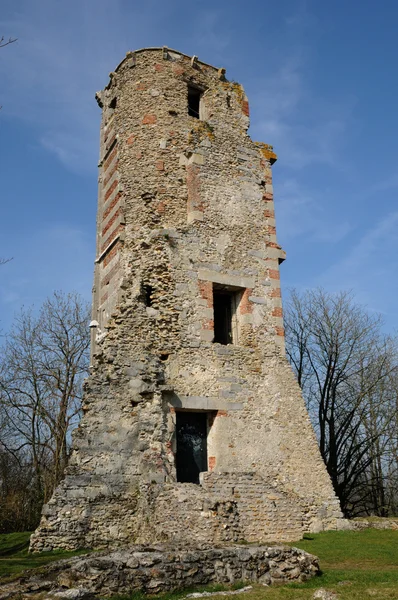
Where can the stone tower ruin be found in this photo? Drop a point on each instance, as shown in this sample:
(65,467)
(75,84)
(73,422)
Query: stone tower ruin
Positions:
(194,427)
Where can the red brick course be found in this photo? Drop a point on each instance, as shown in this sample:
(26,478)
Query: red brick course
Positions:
(111,254)
(112,204)
(110,222)
(110,275)
(274,273)
(112,236)
(275,293)
(245,306)
(111,189)
(110,158)
(206,292)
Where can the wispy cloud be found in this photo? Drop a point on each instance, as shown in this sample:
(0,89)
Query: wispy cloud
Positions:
(306,128)
(63,55)
(370,266)
(305,213)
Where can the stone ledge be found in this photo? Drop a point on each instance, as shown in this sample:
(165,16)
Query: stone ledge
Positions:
(161,568)
(203,403)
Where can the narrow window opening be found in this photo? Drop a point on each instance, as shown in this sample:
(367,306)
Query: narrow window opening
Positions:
(112,103)
(148,295)
(194,96)
(225,304)
(191,434)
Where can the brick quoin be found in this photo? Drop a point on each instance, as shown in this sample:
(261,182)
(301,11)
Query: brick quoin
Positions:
(110,174)
(269,214)
(277,312)
(110,142)
(110,222)
(245,306)
(149,119)
(110,275)
(112,236)
(280,331)
(222,413)
(273,273)
(110,158)
(275,293)
(111,254)
(212,462)
(206,292)
(245,108)
(111,189)
(267,197)
(271,230)
(112,205)
(104,298)
(273,245)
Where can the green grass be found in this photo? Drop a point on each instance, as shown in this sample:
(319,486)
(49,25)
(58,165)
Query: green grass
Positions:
(357,565)
(15,558)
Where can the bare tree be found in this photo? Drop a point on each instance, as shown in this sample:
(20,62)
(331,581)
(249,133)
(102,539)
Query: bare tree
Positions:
(44,361)
(4,42)
(347,370)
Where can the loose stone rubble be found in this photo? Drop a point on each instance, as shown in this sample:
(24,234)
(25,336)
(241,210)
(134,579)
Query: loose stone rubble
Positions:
(186,215)
(160,569)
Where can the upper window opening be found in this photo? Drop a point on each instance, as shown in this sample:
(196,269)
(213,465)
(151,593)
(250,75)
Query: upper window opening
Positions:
(194,97)
(225,305)
(113,103)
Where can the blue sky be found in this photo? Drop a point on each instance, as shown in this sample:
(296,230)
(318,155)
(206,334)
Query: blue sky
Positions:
(322,84)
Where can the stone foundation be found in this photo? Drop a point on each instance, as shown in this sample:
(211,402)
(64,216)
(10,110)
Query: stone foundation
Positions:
(160,569)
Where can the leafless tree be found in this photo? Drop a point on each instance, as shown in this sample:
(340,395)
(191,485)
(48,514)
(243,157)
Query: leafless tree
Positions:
(4,42)
(44,361)
(347,370)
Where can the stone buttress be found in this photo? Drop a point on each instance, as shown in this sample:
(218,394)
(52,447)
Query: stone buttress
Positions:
(194,427)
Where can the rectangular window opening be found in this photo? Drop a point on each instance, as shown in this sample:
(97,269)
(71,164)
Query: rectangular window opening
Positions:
(194,96)
(191,434)
(225,305)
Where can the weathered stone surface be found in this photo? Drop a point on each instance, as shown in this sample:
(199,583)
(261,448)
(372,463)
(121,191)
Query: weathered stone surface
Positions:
(160,569)
(178,219)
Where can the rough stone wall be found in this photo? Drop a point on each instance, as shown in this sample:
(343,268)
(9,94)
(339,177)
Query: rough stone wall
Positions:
(186,206)
(161,569)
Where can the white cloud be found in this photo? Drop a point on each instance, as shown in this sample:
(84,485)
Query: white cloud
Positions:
(370,267)
(305,128)
(305,213)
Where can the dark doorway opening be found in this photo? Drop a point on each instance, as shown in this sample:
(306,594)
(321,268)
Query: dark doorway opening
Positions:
(225,304)
(194,95)
(191,429)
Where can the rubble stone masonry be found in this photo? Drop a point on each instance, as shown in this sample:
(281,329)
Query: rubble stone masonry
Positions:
(186,212)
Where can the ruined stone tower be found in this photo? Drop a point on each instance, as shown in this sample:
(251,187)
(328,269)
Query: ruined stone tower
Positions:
(194,428)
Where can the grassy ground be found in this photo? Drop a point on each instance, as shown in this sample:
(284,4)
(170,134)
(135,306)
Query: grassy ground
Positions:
(357,565)
(14,556)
